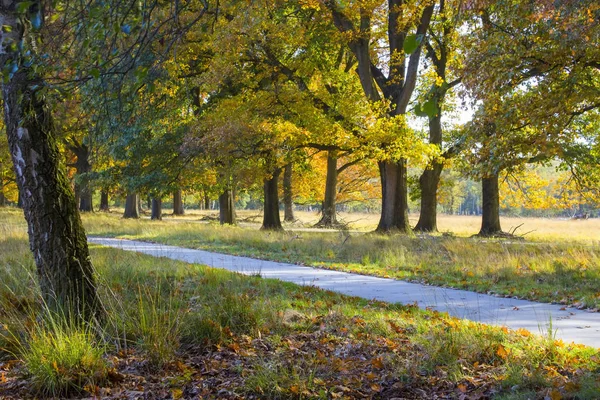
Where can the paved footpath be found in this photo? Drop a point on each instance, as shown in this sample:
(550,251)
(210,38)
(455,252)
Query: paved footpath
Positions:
(570,324)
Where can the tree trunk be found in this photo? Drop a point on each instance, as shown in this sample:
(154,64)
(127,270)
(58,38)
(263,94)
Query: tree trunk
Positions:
(83,191)
(328,218)
(206,202)
(288,199)
(156,209)
(490,217)
(394,197)
(178,203)
(2,196)
(104,201)
(429,181)
(20,200)
(271,220)
(56,235)
(131,206)
(226,208)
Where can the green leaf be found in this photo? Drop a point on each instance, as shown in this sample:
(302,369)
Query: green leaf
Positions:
(430,108)
(6,28)
(23,6)
(95,73)
(411,43)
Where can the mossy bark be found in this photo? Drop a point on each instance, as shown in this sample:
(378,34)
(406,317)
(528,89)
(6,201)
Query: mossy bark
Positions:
(56,235)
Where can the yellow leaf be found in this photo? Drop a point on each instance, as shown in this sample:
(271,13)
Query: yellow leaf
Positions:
(295,389)
(555,395)
(375,387)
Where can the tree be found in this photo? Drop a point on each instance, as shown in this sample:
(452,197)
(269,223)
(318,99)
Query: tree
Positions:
(441,50)
(56,235)
(406,24)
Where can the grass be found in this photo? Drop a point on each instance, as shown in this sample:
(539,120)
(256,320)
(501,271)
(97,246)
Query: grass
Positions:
(187,330)
(543,271)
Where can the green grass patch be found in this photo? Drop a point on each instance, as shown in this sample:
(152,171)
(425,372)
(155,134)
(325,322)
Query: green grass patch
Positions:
(187,330)
(536,271)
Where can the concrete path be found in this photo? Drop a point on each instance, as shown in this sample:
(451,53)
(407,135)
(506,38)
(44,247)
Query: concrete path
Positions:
(570,325)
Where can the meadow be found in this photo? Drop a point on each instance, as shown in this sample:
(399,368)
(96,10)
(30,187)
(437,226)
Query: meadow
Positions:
(175,330)
(545,267)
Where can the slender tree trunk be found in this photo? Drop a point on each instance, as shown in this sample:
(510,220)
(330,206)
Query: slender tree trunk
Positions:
(329,218)
(178,203)
(430,180)
(2,196)
(394,194)
(104,200)
(490,217)
(131,206)
(156,209)
(288,198)
(226,208)
(56,235)
(85,192)
(206,202)
(271,220)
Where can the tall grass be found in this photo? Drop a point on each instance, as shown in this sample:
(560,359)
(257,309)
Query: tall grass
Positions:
(288,341)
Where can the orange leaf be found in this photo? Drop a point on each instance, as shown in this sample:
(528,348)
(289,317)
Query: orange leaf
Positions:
(463,388)
(3,378)
(523,332)
(377,362)
(502,352)
(295,389)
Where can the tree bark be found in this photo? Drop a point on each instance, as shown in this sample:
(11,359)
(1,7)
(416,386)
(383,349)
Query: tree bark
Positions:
(2,196)
(226,208)
(83,166)
(429,181)
(271,220)
(288,198)
(156,209)
(104,200)
(178,203)
(56,235)
(490,216)
(394,195)
(206,202)
(131,206)
(328,217)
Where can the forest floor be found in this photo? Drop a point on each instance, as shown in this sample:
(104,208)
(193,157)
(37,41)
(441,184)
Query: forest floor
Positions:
(187,331)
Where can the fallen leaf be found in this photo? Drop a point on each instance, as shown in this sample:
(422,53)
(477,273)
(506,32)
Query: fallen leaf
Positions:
(377,363)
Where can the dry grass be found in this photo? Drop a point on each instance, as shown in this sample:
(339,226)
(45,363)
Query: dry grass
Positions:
(230,336)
